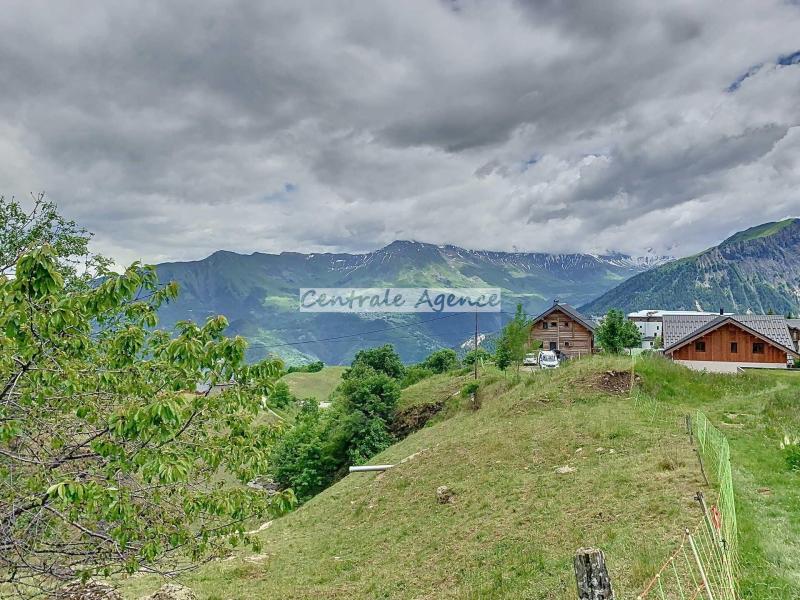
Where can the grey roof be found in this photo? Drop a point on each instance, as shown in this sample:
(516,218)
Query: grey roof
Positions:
(676,327)
(793,323)
(570,310)
(679,329)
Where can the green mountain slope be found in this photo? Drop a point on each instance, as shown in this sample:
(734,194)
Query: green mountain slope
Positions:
(259,294)
(515,522)
(757,269)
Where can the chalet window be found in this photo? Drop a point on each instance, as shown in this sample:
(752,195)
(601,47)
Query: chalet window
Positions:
(553,324)
(566,344)
(565,324)
(734,347)
(544,324)
(700,346)
(758,347)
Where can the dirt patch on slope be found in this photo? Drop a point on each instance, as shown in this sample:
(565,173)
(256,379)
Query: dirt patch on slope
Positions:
(410,419)
(613,382)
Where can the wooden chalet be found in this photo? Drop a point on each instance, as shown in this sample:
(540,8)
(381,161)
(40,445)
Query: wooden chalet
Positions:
(726,343)
(564,329)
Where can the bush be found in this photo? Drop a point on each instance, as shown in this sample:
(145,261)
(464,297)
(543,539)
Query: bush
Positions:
(317,450)
(383,359)
(312,367)
(315,367)
(791,453)
(470,389)
(371,393)
(481,355)
(441,361)
(281,396)
(414,375)
(299,460)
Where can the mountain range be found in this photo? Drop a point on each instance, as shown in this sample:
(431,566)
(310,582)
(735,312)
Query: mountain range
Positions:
(259,293)
(756,270)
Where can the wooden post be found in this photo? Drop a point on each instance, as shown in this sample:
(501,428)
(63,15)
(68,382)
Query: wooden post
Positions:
(476,343)
(591,575)
(702,468)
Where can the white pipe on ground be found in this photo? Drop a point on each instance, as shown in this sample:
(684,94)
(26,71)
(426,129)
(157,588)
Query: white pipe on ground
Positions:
(363,468)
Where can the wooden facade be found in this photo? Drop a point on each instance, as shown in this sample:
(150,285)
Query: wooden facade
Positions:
(730,343)
(557,330)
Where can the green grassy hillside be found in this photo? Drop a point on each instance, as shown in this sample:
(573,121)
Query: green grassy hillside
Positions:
(515,522)
(317,385)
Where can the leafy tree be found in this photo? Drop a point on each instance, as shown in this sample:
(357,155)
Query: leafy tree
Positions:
(107,462)
(370,398)
(616,333)
(502,354)
(318,448)
(22,231)
(370,392)
(658,342)
(281,395)
(383,359)
(300,460)
(514,340)
(441,361)
(481,354)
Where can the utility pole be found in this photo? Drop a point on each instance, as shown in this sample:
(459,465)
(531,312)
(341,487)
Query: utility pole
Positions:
(475,346)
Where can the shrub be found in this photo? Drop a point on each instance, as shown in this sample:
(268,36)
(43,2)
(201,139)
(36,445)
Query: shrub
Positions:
(316,451)
(281,396)
(441,361)
(481,355)
(312,367)
(470,389)
(791,453)
(299,460)
(414,375)
(383,359)
(372,393)
(315,367)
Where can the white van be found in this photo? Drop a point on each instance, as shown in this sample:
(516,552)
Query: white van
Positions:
(548,359)
(531,360)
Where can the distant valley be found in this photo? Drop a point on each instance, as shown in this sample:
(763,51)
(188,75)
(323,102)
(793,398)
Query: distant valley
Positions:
(259,294)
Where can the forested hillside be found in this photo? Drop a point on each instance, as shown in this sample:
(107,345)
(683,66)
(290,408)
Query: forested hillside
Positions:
(757,270)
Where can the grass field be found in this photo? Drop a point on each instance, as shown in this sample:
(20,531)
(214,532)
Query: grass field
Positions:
(317,385)
(515,522)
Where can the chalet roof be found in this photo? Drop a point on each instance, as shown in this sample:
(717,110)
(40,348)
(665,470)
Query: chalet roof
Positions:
(678,330)
(569,310)
(793,323)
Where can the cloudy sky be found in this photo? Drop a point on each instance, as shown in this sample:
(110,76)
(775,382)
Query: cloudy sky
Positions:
(172,129)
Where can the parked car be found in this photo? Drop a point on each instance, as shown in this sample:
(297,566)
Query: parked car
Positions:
(531,359)
(548,359)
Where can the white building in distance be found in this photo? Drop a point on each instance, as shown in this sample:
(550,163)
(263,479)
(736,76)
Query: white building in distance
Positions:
(651,322)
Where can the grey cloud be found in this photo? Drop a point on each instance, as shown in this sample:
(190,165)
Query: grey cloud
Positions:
(167,128)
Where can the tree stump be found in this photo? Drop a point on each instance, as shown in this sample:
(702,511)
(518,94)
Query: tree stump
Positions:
(591,575)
